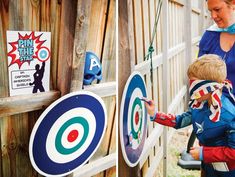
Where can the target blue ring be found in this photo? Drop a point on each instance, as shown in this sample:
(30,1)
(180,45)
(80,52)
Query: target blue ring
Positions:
(133,155)
(40,156)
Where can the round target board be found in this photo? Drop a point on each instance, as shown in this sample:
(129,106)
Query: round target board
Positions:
(67,133)
(133,119)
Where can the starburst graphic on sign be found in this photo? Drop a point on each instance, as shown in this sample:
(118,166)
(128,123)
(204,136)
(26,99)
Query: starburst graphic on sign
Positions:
(25,49)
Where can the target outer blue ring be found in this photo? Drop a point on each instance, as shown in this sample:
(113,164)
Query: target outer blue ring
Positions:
(37,146)
(132,156)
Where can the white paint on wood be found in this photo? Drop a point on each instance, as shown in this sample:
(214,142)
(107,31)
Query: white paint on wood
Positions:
(96,166)
(102,89)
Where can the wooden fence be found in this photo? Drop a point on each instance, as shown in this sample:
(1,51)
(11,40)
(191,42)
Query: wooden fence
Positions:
(76,26)
(178,33)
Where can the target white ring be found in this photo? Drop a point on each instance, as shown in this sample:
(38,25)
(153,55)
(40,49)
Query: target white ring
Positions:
(50,142)
(64,139)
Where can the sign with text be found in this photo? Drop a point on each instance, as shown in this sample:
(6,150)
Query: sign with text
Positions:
(28,55)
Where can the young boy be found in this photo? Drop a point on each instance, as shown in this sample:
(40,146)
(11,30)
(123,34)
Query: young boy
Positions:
(212,115)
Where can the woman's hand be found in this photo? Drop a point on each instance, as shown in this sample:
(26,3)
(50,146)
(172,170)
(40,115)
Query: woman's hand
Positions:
(150,106)
(195,152)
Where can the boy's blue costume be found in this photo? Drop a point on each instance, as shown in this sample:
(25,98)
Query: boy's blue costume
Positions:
(216,135)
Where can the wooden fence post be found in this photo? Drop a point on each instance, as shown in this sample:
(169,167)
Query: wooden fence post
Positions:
(124,71)
(166,79)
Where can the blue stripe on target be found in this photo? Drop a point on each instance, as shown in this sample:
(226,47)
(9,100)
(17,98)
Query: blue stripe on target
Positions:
(38,154)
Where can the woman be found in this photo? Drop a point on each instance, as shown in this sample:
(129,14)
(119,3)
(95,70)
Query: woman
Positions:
(219,39)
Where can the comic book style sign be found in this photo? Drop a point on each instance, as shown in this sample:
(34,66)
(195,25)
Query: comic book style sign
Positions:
(67,133)
(133,119)
(29,55)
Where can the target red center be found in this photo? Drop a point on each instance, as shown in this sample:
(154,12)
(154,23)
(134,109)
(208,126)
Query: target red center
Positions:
(72,136)
(136,118)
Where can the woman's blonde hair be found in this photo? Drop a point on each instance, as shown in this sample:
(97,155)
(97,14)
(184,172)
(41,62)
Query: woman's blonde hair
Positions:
(208,67)
(229,2)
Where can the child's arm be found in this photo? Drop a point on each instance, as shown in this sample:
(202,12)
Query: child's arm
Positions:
(171,120)
(221,153)
(218,154)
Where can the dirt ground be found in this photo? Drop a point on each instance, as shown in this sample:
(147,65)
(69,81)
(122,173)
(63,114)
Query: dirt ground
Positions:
(176,145)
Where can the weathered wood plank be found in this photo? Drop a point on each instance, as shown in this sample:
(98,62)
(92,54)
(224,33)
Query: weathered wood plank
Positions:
(14,129)
(109,48)
(110,103)
(4,7)
(112,148)
(66,41)
(55,34)
(152,14)
(25,103)
(80,43)
(98,19)
(131,34)
(138,31)
(109,74)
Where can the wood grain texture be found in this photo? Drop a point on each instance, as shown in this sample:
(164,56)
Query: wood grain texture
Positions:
(80,43)
(14,129)
(4,9)
(21,104)
(109,48)
(97,27)
(66,45)
(112,148)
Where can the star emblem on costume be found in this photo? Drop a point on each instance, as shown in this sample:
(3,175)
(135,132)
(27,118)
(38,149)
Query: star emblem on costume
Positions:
(199,127)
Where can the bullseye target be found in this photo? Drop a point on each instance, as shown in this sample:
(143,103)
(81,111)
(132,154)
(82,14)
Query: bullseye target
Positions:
(43,54)
(67,133)
(133,119)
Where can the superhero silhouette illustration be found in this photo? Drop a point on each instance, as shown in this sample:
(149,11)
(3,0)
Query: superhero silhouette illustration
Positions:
(38,75)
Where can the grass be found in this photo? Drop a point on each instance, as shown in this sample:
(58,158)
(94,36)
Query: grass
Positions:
(176,145)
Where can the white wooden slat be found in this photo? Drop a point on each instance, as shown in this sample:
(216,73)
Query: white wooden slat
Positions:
(157,159)
(165,78)
(150,142)
(102,89)
(179,2)
(177,99)
(176,50)
(144,67)
(195,40)
(131,34)
(96,166)
(196,10)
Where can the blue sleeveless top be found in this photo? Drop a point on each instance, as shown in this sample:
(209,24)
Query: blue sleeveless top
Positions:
(210,44)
